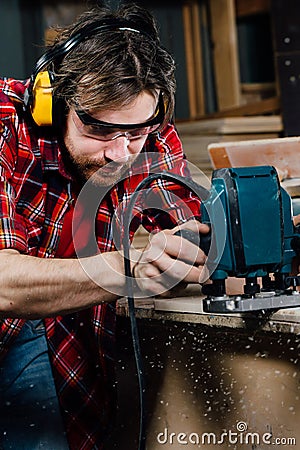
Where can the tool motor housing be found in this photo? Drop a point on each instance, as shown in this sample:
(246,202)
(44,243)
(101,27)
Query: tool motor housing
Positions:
(259,225)
(259,232)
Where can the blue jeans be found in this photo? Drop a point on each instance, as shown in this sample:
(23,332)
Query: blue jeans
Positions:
(30,417)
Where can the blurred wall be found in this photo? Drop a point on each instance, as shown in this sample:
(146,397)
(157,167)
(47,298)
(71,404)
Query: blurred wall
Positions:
(21,36)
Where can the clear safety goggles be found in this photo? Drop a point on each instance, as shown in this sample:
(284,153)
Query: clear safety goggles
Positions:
(106,131)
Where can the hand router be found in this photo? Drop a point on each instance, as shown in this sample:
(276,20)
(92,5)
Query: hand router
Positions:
(260,241)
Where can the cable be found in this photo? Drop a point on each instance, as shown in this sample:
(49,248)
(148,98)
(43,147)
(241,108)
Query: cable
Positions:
(202,194)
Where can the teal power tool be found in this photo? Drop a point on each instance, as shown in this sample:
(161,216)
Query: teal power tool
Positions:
(252,237)
(260,241)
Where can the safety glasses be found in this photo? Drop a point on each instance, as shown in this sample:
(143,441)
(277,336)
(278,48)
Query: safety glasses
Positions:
(106,131)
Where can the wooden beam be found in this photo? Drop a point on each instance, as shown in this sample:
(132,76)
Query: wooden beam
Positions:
(258,87)
(225,53)
(279,152)
(189,54)
(246,8)
(198,58)
(231,126)
(193,52)
(268,105)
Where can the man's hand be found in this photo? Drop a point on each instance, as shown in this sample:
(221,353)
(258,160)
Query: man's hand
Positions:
(168,260)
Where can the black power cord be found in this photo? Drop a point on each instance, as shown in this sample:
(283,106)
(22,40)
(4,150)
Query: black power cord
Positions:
(202,194)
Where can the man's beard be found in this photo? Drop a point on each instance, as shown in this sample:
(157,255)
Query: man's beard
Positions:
(99,173)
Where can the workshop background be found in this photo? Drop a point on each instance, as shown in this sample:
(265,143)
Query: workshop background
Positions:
(238,77)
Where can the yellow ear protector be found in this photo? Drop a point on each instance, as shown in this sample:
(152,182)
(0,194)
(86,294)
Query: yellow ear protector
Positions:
(38,99)
(41,108)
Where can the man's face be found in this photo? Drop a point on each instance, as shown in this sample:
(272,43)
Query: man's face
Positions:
(108,160)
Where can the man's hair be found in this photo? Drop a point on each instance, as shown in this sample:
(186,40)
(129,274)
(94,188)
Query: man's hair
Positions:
(111,68)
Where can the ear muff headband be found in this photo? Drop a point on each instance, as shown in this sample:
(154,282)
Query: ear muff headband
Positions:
(38,97)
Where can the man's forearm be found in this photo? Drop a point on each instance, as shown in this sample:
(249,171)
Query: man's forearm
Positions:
(33,287)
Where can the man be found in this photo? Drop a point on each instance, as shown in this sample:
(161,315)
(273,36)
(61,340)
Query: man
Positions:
(112,93)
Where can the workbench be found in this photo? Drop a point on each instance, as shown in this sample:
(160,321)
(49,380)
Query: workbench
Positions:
(208,374)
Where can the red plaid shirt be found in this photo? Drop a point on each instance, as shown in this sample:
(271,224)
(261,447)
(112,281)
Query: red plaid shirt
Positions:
(35,194)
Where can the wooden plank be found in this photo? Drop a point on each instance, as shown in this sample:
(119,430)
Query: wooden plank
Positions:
(207,55)
(198,58)
(188,42)
(195,148)
(258,87)
(250,7)
(188,308)
(281,153)
(225,53)
(267,105)
(256,92)
(232,125)
(193,52)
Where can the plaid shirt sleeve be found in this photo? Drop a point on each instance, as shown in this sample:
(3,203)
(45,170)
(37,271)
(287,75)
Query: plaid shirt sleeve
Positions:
(12,230)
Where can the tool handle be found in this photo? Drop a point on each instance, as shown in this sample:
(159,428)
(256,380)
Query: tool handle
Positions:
(202,240)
